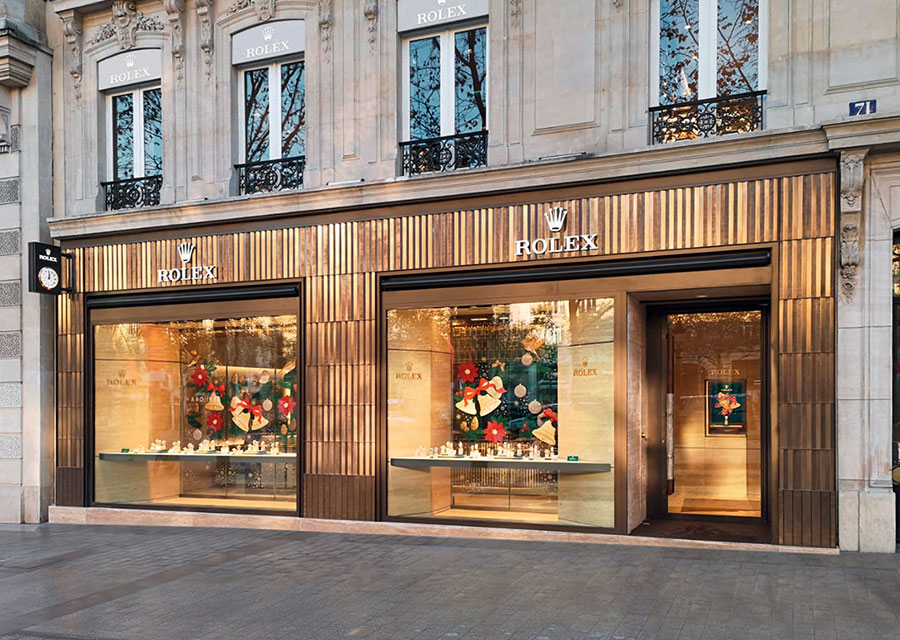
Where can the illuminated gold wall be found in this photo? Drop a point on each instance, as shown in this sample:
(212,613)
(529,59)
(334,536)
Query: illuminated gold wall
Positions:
(338,263)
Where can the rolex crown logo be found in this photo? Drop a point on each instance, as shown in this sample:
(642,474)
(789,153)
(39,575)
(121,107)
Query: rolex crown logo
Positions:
(556,218)
(442,2)
(129,61)
(409,366)
(584,363)
(186,251)
(268,32)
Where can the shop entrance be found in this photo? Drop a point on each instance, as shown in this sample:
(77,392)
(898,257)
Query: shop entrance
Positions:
(710,436)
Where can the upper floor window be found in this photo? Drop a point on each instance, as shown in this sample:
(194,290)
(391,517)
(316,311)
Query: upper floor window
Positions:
(134,128)
(445,95)
(273,107)
(710,57)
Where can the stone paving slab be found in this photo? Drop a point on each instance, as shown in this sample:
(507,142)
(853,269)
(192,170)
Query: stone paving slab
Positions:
(85,582)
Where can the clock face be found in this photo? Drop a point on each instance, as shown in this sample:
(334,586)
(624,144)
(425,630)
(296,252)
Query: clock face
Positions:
(48,278)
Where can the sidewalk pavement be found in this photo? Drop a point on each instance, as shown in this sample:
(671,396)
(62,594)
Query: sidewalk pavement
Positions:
(112,582)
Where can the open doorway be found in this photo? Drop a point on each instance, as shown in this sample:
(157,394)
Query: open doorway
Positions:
(709,423)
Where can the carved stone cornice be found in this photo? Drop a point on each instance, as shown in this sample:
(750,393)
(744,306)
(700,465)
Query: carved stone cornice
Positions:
(326,22)
(852,180)
(72,33)
(265,9)
(371,13)
(205,18)
(126,21)
(175,12)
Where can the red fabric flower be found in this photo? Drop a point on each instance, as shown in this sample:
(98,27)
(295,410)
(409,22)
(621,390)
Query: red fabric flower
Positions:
(286,405)
(495,431)
(214,422)
(200,376)
(467,371)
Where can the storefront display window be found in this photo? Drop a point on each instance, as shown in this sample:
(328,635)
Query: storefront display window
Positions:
(502,412)
(197,406)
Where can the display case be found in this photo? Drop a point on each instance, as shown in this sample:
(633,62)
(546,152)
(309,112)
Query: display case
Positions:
(502,412)
(197,406)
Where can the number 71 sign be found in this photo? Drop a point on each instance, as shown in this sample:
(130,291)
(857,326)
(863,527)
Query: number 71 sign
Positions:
(862,107)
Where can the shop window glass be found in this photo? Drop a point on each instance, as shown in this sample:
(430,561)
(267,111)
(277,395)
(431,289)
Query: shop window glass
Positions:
(502,412)
(708,48)
(275,126)
(895,266)
(447,84)
(136,134)
(197,412)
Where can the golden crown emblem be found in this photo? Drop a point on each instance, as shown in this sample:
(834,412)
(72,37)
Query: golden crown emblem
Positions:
(186,251)
(556,218)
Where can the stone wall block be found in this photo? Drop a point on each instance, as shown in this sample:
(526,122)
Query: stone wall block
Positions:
(10,293)
(10,394)
(10,445)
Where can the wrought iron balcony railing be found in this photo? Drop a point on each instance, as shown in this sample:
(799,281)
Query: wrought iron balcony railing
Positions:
(736,113)
(462,151)
(268,176)
(132,193)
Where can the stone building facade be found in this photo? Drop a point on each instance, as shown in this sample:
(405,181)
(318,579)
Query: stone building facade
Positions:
(578,106)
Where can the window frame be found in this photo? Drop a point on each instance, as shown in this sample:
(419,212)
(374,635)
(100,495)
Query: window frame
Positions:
(707,67)
(274,78)
(448,79)
(137,148)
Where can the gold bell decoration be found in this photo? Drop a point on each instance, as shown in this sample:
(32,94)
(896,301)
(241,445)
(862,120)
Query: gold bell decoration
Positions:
(214,403)
(545,433)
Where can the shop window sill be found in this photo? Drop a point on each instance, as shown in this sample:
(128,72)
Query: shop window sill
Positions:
(739,113)
(448,153)
(269,176)
(133,193)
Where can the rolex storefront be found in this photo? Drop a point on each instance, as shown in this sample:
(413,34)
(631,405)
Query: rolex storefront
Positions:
(586,359)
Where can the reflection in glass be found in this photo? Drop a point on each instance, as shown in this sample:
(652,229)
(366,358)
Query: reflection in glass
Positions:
(679,50)
(425,88)
(738,46)
(123,136)
(152,132)
(293,110)
(197,413)
(256,105)
(502,412)
(471,80)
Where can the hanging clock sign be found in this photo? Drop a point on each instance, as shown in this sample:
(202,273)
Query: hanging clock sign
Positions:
(44,268)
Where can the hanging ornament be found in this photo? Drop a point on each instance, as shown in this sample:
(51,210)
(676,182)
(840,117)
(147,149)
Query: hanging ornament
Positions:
(532,343)
(264,377)
(267,405)
(197,434)
(535,407)
(520,391)
(488,397)
(527,359)
(215,403)
(284,429)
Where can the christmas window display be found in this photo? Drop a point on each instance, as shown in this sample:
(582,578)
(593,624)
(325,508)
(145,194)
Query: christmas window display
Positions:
(197,412)
(502,412)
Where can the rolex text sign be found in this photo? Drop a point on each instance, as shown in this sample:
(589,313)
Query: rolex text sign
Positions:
(270,40)
(421,14)
(132,67)
(555,218)
(186,273)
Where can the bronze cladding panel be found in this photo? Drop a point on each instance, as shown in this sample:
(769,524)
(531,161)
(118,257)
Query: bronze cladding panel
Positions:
(338,262)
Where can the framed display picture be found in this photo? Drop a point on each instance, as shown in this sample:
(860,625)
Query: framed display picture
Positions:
(726,405)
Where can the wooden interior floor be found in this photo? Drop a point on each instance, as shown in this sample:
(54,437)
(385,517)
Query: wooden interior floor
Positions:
(227,503)
(691,505)
(505,516)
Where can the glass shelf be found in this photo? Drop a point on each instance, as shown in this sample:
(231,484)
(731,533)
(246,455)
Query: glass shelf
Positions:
(562,466)
(181,457)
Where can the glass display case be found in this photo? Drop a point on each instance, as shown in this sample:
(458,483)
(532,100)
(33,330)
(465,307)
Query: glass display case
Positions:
(502,412)
(199,409)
